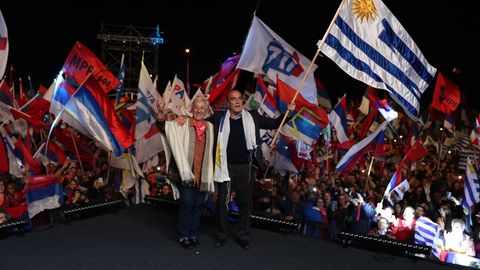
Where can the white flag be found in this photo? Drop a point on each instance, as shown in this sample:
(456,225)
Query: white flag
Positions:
(267,53)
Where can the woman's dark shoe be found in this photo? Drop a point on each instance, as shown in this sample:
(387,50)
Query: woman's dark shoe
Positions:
(194,242)
(185,243)
(245,244)
(220,242)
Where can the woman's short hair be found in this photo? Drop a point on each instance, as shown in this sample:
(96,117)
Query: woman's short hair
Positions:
(200,99)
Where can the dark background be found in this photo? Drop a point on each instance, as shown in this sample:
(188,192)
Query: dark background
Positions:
(42,33)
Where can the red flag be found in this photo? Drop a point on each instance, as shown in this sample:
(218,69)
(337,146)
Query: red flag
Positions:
(81,61)
(285,95)
(366,124)
(65,137)
(446,96)
(219,94)
(227,67)
(343,146)
(415,153)
(5,93)
(34,165)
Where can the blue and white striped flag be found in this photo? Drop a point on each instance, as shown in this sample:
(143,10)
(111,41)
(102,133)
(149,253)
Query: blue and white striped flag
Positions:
(471,186)
(371,45)
(427,233)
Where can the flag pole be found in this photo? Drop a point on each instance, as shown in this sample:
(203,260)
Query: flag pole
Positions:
(11,118)
(55,121)
(18,111)
(108,171)
(76,151)
(29,101)
(369,169)
(320,45)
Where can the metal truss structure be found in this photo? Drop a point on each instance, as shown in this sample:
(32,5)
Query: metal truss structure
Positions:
(134,42)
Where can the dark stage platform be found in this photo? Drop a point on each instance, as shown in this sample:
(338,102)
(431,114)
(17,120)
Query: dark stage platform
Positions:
(143,237)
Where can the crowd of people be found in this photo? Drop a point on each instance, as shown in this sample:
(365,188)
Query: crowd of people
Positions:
(215,161)
(325,202)
(81,185)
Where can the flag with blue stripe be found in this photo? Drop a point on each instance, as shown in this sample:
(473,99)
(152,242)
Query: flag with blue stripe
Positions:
(307,120)
(471,186)
(338,119)
(43,192)
(371,45)
(121,78)
(381,105)
(427,233)
(373,143)
(90,112)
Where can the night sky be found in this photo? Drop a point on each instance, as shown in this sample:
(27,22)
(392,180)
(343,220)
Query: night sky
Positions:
(42,34)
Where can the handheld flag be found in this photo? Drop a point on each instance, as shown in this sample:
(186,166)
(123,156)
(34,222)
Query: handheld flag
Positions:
(371,45)
(267,53)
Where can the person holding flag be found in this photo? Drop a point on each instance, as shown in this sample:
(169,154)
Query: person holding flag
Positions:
(237,157)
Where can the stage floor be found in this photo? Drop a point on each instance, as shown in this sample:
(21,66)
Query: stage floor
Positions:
(143,237)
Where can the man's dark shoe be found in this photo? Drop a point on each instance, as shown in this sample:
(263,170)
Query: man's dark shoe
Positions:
(245,244)
(194,242)
(220,242)
(185,243)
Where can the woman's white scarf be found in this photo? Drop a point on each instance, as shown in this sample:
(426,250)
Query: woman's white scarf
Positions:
(221,167)
(180,145)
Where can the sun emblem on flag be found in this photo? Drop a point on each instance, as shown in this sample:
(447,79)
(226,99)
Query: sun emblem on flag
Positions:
(472,170)
(364,9)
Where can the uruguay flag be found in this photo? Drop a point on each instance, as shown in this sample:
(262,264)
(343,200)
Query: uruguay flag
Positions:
(371,45)
(471,186)
(373,143)
(338,119)
(427,233)
(90,112)
(44,192)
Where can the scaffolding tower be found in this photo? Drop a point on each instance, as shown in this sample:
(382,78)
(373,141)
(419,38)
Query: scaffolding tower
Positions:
(134,42)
